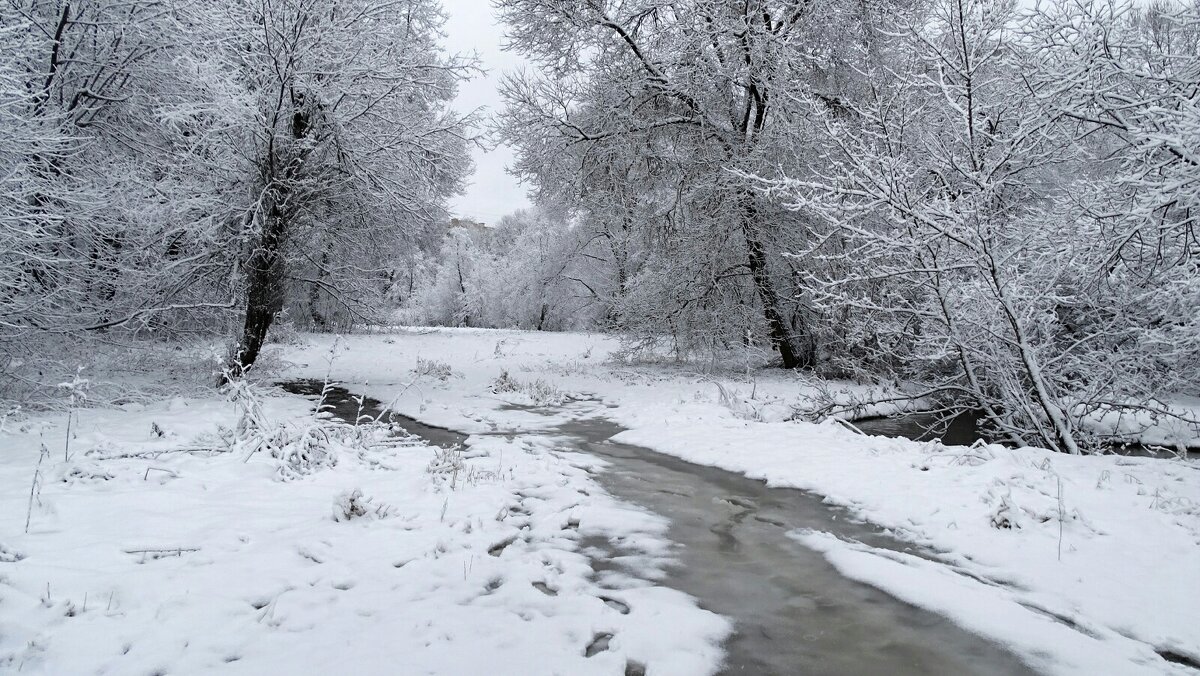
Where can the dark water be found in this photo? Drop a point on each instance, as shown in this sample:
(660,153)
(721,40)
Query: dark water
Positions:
(341,403)
(793,612)
(963,430)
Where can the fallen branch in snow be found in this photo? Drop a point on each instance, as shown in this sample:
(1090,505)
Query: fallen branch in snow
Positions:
(152,454)
(161,553)
(850,426)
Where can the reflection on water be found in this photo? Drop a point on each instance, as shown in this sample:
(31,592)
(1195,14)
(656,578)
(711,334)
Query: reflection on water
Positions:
(961,430)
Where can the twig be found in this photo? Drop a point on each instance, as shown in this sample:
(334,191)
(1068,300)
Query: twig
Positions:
(33,487)
(1060,517)
(154,553)
(146,477)
(67,443)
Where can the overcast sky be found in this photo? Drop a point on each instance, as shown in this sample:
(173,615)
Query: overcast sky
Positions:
(472,27)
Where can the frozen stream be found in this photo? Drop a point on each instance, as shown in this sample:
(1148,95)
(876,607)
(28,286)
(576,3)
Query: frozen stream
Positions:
(793,613)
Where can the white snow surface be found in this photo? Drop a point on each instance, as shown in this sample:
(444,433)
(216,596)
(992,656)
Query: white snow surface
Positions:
(1107,544)
(482,571)
(1075,563)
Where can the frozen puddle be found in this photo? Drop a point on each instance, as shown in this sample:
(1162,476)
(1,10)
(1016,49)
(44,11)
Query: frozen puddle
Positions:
(793,612)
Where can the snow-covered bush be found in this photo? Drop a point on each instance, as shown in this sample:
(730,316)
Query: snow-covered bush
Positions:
(432,368)
(284,331)
(352,505)
(542,393)
(450,466)
(304,445)
(538,391)
(747,407)
(446,463)
(505,383)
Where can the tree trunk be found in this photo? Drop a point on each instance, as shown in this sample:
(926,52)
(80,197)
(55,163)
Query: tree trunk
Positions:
(265,267)
(319,320)
(797,349)
(264,291)
(612,314)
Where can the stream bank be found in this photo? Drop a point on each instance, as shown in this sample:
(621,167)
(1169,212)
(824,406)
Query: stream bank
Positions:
(793,612)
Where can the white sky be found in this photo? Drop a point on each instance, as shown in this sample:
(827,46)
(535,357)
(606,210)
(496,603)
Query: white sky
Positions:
(472,28)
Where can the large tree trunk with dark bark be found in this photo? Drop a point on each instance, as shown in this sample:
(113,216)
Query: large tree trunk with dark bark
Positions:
(264,291)
(796,347)
(265,268)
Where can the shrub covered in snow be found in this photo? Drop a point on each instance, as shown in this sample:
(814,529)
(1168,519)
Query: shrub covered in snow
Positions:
(353,504)
(299,447)
(538,391)
(432,368)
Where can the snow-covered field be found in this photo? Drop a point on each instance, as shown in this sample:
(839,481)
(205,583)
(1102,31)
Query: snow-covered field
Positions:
(1076,563)
(193,563)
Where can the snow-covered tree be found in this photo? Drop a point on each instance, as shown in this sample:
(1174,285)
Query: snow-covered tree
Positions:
(351,148)
(533,270)
(958,236)
(172,164)
(99,201)
(640,115)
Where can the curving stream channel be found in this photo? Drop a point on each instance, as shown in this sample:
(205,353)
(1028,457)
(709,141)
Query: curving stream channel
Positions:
(793,612)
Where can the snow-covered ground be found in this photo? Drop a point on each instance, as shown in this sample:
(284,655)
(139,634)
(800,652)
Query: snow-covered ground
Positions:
(1109,545)
(140,559)
(1075,563)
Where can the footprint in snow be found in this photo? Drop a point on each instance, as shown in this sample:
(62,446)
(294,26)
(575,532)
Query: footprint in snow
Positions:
(598,645)
(619,606)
